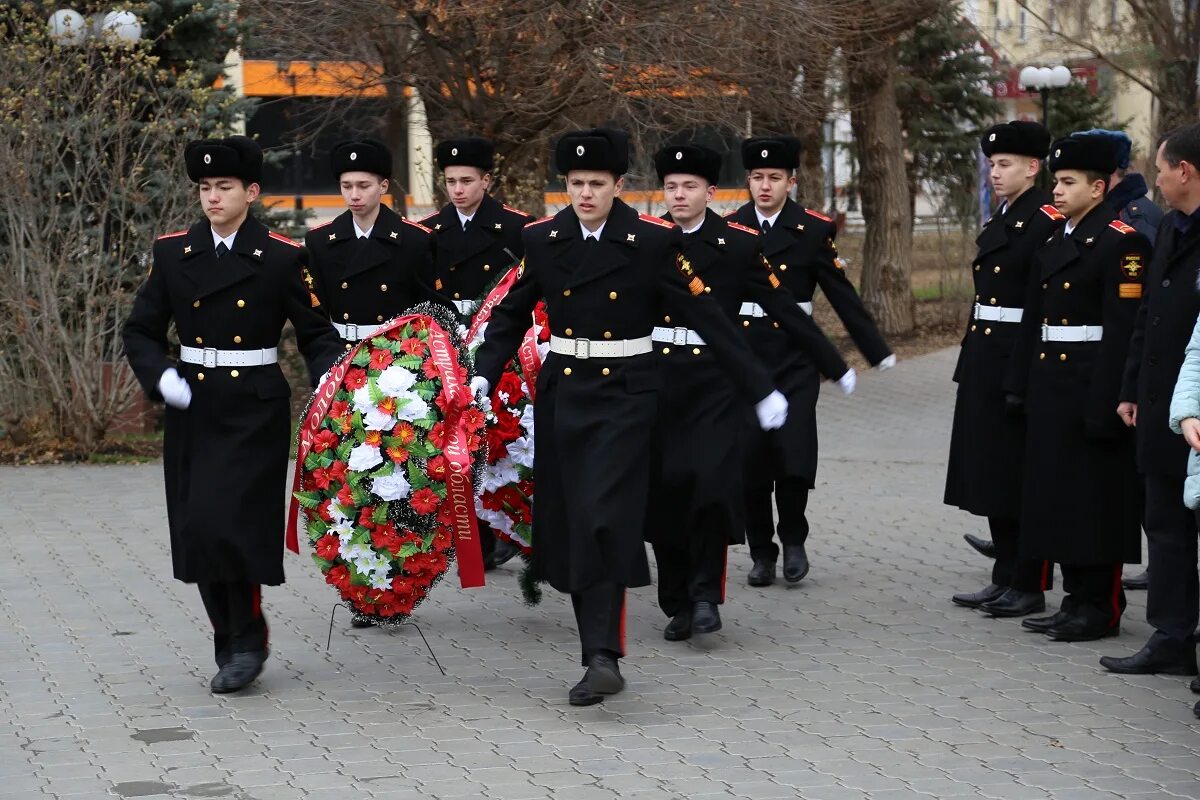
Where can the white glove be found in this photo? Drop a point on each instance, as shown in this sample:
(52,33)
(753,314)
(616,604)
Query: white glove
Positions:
(771,411)
(480,387)
(174,389)
(849,381)
(886,364)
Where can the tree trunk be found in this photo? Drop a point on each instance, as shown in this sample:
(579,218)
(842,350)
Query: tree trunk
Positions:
(397,139)
(810,183)
(883,182)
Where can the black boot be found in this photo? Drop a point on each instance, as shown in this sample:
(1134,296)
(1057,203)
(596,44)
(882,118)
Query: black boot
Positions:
(1154,660)
(679,628)
(603,677)
(1043,624)
(975,599)
(706,618)
(795,563)
(239,673)
(762,573)
(985,547)
(1015,603)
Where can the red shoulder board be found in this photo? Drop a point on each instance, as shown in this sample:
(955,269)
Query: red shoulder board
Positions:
(818,215)
(740,227)
(517,211)
(431,216)
(416,225)
(1117,225)
(1053,213)
(277,237)
(538,221)
(660,222)
(173,235)
(324,224)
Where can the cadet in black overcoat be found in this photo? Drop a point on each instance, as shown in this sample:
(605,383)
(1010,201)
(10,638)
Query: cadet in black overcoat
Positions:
(1081,500)
(1162,331)
(606,274)
(228,285)
(478,240)
(987,440)
(695,491)
(368,264)
(799,243)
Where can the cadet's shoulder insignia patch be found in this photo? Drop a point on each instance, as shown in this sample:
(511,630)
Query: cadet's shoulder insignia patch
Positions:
(1129,291)
(773,280)
(517,211)
(429,219)
(538,221)
(817,214)
(695,285)
(325,224)
(1053,213)
(416,225)
(281,238)
(1117,225)
(1132,265)
(171,235)
(737,226)
(437,284)
(310,285)
(662,223)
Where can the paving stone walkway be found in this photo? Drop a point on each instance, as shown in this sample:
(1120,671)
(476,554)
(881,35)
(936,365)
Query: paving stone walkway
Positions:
(864,681)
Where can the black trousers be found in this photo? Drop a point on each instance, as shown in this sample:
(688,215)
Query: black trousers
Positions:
(600,615)
(235,610)
(1011,570)
(691,572)
(791,498)
(487,540)
(1094,591)
(1173,598)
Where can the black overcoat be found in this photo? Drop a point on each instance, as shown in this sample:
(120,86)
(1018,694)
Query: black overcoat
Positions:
(1081,498)
(595,417)
(225,457)
(1161,333)
(469,262)
(700,431)
(801,248)
(987,443)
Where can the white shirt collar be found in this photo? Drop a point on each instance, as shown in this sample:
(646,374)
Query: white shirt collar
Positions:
(228,241)
(1003,209)
(463,219)
(1070,226)
(598,232)
(699,225)
(360,233)
(771,219)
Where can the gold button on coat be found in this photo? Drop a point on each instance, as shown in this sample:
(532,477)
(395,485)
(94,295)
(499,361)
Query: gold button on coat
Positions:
(604,371)
(345,285)
(666,351)
(996,270)
(1042,356)
(569,332)
(612,295)
(567,371)
(1062,356)
(383,287)
(695,351)
(199,376)
(196,304)
(241,304)
(1066,284)
(199,340)
(783,267)
(237,340)
(566,292)
(608,334)
(233,373)
(987,331)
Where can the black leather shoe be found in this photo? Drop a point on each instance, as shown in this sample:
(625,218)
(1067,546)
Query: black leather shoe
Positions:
(795,563)
(1043,624)
(358,621)
(1082,629)
(603,677)
(975,599)
(985,547)
(1139,582)
(762,573)
(504,552)
(1196,709)
(1154,661)
(679,628)
(1015,603)
(706,618)
(1195,685)
(239,673)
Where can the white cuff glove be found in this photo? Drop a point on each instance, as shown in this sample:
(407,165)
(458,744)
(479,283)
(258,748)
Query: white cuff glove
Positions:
(480,387)
(886,364)
(771,411)
(174,389)
(848,381)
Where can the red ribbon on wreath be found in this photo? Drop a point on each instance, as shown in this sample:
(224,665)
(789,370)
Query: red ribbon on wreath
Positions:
(460,493)
(527,353)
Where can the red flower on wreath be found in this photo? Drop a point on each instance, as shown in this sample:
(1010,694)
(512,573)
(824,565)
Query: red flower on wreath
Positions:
(324,440)
(381,359)
(429,369)
(437,468)
(510,384)
(328,547)
(413,347)
(355,379)
(437,436)
(424,501)
(338,576)
(339,409)
(397,454)
(405,432)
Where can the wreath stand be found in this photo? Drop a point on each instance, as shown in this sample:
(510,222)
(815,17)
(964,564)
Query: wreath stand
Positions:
(329,638)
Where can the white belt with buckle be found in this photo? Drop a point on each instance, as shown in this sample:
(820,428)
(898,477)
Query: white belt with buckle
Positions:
(211,357)
(755,310)
(1072,333)
(677,336)
(587,348)
(353,333)
(465,306)
(998,313)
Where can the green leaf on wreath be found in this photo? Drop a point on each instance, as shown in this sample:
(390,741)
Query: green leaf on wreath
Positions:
(317,527)
(388,468)
(425,423)
(312,461)
(374,392)
(308,500)
(410,363)
(380,515)
(359,496)
(408,549)
(417,479)
(362,358)
(324,565)
(343,450)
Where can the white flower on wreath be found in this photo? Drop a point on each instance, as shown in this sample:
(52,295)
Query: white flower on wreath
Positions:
(527,420)
(394,381)
(380,580)
(498,520)
(364,457)
(362,400)
(521,451)
(377,420)
(355,554)
(391,487)
(500,474)
(343,529)
(337,513)
(409,406)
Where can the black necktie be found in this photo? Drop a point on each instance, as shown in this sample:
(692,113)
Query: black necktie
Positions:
(590,240)
(466,222)
(766,225)
(221,249)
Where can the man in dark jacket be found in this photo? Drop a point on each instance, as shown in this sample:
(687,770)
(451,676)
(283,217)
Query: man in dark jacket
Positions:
(228,285)
(695,498)
(607,274)
(1164,325)
(799,243)
(987,441)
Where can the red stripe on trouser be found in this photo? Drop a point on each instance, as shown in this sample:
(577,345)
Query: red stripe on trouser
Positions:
(622,628)
(1115,596)
(724,573)
(1047,569)
(257,602)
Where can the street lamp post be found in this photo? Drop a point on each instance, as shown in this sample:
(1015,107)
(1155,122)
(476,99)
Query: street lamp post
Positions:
(284,68)
(1044,80)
